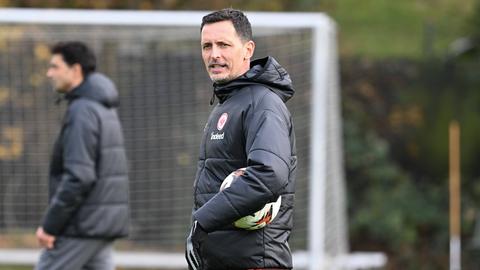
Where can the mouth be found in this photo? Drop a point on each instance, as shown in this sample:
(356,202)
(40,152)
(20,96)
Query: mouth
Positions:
(217,68)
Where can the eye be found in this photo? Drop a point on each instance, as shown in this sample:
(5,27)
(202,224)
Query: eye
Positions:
(206,46)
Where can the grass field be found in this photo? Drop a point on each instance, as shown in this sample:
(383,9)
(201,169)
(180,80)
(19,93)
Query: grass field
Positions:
(410,28)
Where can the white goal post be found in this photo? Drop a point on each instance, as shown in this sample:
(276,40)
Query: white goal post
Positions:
(147,53)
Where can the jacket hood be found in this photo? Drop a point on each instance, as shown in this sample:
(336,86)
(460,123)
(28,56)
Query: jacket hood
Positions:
(266,71)
(98,87)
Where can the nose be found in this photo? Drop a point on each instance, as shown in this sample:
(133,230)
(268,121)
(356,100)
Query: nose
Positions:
(215,52)
(49,73)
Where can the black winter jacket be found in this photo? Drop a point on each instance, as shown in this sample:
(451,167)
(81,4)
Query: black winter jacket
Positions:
(250,127)
(88,186)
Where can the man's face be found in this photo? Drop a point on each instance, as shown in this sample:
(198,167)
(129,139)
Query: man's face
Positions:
(62,75)
(225,55)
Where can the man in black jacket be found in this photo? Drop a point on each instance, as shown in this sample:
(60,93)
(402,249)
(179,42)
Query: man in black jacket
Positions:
(88,181)
(249,128)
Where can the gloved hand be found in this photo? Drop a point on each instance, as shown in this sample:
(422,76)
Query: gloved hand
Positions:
(192,250)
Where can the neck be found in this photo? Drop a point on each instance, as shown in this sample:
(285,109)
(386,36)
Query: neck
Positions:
(75,83)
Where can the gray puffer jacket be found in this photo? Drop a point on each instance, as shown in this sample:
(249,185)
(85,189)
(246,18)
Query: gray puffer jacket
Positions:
(250,127)
(88,186)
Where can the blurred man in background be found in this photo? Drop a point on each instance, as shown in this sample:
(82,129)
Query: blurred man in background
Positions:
(88,182)
(250,128)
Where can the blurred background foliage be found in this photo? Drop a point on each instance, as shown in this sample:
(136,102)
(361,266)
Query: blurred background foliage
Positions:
(407,69)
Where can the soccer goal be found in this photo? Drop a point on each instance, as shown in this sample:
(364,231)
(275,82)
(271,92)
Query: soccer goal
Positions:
(154,58)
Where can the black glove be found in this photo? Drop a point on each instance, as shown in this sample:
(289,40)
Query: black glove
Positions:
(192,250)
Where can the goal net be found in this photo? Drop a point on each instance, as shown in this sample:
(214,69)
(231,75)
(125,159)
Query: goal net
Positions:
(155,60)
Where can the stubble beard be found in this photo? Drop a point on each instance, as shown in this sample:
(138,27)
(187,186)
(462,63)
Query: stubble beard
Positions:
(220,80)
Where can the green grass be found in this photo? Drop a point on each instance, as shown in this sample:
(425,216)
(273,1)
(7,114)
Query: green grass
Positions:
(6,267)
(383,28)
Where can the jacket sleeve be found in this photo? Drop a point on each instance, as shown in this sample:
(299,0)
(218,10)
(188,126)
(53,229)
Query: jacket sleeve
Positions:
(268,149)
(80,140)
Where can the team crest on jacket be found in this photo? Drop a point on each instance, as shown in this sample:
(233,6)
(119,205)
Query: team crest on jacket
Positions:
(221,121)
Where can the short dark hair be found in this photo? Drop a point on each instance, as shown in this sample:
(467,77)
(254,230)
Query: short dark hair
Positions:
(76,52)
(238,19)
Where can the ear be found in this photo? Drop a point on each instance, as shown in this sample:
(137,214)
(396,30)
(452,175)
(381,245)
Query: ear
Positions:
(249,48)
(77,69)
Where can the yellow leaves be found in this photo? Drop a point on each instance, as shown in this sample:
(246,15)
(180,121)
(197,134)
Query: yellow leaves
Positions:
(183,159)
(18,100)
(37,79)
(4,94)
(11,138)
(11,32)
(42,51)
(411,116)
(11,143)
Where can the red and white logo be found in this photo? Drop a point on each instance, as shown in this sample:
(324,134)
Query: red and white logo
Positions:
(221,121)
